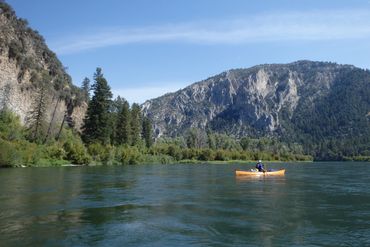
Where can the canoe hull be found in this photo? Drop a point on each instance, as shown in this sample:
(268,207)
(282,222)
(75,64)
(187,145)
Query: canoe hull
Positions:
(251,173)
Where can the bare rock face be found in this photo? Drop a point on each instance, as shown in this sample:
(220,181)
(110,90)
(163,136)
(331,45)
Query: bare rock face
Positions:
(255,101)
(24,59)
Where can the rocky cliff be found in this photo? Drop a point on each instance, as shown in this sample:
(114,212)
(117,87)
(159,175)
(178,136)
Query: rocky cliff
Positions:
(283,100)
(25,60)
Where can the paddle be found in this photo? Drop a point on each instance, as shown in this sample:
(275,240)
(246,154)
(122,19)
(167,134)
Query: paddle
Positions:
(264,169)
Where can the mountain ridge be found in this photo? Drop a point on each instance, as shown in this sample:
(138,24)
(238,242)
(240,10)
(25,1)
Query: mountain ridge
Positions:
(266,100)
(229,74)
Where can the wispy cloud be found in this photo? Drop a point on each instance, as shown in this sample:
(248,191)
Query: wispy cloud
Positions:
(273,27)
(143,93)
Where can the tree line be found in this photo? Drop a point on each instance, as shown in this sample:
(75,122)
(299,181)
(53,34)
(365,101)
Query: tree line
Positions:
(113,122)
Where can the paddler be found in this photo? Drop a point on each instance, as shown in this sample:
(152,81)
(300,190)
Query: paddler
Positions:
(260,166)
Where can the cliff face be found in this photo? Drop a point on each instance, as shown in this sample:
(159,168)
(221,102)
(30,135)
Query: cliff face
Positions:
(265,100)
(25,61)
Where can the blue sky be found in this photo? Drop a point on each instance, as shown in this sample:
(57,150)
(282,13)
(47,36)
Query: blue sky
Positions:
(147,48)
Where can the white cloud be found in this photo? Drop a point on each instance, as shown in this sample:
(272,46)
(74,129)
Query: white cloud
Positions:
(291,26)
(143,93)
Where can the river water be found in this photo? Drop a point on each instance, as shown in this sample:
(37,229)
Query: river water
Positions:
(314,204)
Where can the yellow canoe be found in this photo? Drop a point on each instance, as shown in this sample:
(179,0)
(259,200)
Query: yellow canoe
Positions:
(256,173)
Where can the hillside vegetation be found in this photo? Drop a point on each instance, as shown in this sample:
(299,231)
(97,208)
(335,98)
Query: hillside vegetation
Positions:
(324,107)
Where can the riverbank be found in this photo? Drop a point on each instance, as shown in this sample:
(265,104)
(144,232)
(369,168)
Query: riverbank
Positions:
(65,163)
(144,159)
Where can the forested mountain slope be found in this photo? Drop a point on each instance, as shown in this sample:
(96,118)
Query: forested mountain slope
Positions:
(325,106)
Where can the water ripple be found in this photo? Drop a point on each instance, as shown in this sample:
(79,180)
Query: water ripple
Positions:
(185,205)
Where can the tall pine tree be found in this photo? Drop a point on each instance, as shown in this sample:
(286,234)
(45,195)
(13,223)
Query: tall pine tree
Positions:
(97,124)
(123,131)
(86,89)
(135,124)
(147,132)
(116,107)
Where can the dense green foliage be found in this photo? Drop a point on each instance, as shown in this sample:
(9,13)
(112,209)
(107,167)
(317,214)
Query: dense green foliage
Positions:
(337,127)
(10,126)
(96,126)
(147,132)
(135,124)
(18,149)
(123,130)
(220,147)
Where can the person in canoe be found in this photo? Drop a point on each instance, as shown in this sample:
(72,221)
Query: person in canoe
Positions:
(260,166)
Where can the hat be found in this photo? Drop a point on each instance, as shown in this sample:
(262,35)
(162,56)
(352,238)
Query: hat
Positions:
(259,160)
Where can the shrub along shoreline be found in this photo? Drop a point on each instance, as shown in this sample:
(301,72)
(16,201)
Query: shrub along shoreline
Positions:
(17,151)
(23,153)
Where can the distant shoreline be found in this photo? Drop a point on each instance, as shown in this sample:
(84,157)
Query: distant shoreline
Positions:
(190,162)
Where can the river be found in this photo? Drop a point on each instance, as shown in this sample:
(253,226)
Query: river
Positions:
(314,204)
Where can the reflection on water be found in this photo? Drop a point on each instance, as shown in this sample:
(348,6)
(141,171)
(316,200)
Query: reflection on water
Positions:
(182,205)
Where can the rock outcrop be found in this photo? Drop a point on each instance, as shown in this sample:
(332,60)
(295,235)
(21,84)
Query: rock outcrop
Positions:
(264,100)
(25,60)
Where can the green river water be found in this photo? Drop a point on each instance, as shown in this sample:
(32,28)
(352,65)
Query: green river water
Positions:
(314,204)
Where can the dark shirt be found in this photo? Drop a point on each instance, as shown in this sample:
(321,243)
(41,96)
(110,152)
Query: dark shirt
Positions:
(260,167)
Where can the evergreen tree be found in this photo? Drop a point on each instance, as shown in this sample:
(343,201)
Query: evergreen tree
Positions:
(97,125)
(135,124)
(123,127)
(118,104)
(36,118)
(115,109)
(147,132)
(86,89)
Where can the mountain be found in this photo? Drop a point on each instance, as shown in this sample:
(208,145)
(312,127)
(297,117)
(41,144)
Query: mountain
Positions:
(25,64)
(313,103)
